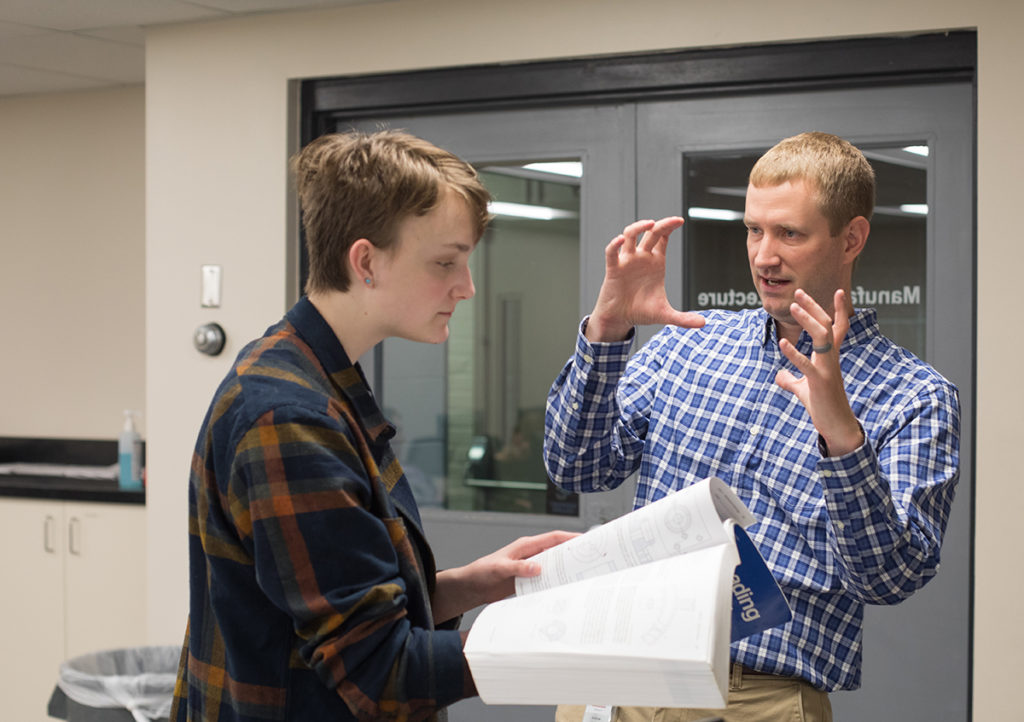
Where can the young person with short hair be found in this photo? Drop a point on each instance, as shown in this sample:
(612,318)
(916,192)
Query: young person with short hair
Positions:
(313,591)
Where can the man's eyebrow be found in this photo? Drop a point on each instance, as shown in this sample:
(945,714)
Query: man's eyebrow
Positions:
(462,247)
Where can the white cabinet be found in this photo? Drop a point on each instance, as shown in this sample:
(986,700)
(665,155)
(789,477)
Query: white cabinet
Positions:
(73,583)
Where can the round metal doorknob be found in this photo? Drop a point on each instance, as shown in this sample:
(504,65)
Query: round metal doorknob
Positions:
(209,339)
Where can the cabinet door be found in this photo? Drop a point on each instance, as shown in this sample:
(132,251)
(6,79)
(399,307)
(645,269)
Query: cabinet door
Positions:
(105,577)
(31,605)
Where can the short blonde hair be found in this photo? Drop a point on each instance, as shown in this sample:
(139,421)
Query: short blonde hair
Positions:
(363,185)
(839,172)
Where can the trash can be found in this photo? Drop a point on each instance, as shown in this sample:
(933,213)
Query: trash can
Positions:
(117,685)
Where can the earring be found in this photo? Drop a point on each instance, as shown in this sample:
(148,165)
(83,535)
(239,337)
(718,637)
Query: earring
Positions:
(368,281)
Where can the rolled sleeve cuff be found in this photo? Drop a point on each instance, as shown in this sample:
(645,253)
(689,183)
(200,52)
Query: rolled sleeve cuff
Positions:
(453,678)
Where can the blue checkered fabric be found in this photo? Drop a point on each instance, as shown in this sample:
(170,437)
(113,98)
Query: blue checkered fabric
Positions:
(837,532)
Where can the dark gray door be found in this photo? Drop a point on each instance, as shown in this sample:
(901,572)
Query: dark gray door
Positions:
(917,271)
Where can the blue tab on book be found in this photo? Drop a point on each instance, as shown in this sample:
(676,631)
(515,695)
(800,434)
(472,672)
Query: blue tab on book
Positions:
(757,601)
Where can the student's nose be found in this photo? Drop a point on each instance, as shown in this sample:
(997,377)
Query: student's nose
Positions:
(465,288)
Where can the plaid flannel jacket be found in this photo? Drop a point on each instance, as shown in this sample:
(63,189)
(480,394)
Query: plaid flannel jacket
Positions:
(837,532)
(310,576)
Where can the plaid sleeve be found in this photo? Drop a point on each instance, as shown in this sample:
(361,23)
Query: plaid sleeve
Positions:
(596,417)
(890,500)
(301,497)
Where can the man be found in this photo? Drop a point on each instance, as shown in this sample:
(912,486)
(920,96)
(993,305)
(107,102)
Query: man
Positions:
(843,445)
(313,591)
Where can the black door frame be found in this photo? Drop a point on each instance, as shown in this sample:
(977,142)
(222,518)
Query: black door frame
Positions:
(932,57)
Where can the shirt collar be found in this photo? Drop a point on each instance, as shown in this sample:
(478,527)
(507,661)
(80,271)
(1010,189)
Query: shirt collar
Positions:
(347,377)
(863,326)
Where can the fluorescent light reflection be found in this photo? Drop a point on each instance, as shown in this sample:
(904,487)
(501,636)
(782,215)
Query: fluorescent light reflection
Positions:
(714,214)
(732,191)
(917,150)
(573,169)
(918,209)
(522,210)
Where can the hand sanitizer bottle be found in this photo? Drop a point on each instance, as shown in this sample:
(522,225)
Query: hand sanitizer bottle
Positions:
(129,453)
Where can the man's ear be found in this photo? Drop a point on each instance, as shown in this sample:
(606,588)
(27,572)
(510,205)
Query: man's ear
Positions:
(360,261)
(855,236)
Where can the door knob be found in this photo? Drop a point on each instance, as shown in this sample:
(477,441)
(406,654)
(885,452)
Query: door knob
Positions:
(209,339)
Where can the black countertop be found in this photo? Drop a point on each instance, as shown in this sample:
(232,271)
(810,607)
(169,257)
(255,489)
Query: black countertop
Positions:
(74,452)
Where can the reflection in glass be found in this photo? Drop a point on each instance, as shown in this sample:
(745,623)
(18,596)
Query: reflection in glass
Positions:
(890,275)
(506,346)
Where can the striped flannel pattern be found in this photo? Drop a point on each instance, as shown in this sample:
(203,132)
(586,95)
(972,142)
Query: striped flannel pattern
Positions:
(310,578)
(837,532)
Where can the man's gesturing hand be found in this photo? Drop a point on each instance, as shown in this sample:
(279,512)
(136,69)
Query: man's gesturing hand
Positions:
(821,388)
(633,292)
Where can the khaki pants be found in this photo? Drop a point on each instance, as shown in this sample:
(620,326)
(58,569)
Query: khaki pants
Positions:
(753,697)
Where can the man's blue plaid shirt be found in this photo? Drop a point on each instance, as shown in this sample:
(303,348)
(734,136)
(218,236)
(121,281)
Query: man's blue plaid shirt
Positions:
(837,532)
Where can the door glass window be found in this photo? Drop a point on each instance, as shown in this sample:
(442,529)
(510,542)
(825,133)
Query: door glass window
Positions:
(890,275)
(493,374)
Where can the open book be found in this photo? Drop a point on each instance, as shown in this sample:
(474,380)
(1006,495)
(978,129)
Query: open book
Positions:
(639,611)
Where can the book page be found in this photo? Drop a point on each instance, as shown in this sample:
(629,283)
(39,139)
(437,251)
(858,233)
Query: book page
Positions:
(642,635)
(683,521)
(728,505)
(662,609)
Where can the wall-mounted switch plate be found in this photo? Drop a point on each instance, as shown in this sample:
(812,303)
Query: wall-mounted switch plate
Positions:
(211,287)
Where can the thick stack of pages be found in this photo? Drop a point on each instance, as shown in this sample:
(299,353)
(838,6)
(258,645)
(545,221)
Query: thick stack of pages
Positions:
(638,612)
(653,635)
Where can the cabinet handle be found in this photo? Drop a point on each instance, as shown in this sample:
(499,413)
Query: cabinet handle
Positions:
(49,528)
(74,529)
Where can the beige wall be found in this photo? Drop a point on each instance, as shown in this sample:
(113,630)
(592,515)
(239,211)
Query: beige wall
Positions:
(216,126)
(72,263)
(204,149)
